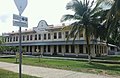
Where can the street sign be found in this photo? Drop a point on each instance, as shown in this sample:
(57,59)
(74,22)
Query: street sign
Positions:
(20,24)
(20,18)
(21,5)
(20,21)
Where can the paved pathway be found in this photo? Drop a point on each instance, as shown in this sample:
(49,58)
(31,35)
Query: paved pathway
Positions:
(49,72)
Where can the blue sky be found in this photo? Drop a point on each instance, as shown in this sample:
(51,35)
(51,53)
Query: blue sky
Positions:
(36,10)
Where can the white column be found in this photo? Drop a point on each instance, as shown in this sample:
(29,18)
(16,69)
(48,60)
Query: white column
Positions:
(57,35)
(63,50)
(28,48)
(84,49)
(106,49)
(25,38)
(42,49)
(103,49)
(63,35)
(100,49)
(51,49)
(42,36)
(83,34)
(33,49)
(76,50)
(69,48)
(57,48)
(37,37)
(33,37)
(52,36)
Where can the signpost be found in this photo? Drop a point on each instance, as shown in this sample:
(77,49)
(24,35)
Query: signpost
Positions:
(21,5)
(20,21)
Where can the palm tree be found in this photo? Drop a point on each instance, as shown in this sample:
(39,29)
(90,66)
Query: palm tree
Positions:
(87,18)
(114,11)
(115,36)
(112,17)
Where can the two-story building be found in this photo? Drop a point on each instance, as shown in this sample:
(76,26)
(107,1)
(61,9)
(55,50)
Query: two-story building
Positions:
(51,40)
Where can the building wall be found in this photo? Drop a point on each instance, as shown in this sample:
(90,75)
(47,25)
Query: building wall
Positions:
(47,34)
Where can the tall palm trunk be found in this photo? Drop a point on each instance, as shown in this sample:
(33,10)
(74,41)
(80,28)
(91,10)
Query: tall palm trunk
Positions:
(88,45)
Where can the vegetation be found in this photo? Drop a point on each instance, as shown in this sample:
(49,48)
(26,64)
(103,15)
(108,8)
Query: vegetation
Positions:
(87,17)
(112,22)
(95,20)
(90,18)
(80,66)
(1,47)
(113,58)
(9,74)
(7,48)
(114,12)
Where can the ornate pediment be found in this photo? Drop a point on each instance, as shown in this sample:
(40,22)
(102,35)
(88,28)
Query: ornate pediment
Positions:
(42,25)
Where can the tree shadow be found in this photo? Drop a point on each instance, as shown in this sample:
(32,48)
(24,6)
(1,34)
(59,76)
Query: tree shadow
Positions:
(104,66)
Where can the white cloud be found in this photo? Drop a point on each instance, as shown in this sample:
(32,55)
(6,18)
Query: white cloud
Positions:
(4,18)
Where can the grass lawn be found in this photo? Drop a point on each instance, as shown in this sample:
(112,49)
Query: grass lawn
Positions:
(80,66)
(114,58)
(9,74)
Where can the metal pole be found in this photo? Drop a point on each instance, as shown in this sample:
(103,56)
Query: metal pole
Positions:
(20,53)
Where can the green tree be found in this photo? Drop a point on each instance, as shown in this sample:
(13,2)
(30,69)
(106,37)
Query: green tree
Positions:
(2,48)
(114,37)
(87,18)
(112,21)
(1,39)
(111,25)
(114,12)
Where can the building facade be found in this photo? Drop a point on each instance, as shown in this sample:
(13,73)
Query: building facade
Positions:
(51,40)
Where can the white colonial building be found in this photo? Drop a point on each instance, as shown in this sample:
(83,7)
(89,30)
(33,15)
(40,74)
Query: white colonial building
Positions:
(51,40)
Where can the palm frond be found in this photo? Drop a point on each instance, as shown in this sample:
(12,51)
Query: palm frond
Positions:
(67,17)
(96,8)
(106,2)
(73,5)
(76,27)
(77,6)
(117,3)
(78,31)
